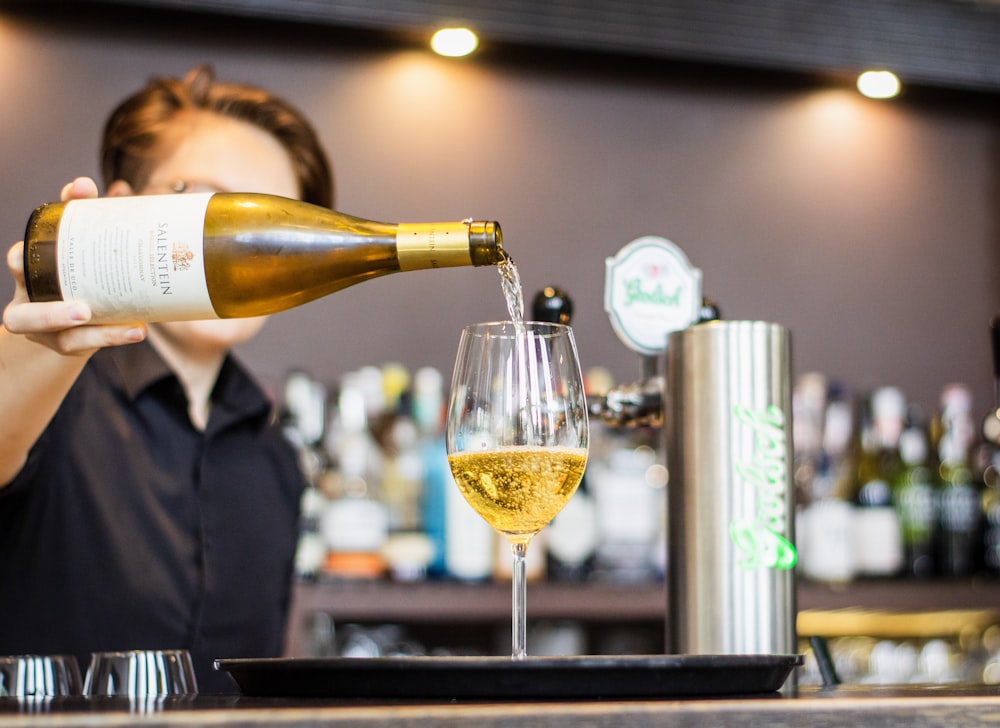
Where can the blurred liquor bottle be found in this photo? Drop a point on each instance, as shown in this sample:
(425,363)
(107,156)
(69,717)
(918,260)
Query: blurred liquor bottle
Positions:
(878,542)
(958,493)
(914,497)
(396,434)
(303,418)
(824,480)
(355,522)
(991,512)
(408,550)
(461,541)
(571,539)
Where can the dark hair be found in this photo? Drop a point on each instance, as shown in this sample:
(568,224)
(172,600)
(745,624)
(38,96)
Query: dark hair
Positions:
(137,129)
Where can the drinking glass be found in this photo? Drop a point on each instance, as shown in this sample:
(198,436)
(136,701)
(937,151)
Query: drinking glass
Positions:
(140,674)
(516,434)
(39,676)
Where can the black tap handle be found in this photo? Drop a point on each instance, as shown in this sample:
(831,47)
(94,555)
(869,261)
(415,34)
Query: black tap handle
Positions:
(553,305)
(709,311)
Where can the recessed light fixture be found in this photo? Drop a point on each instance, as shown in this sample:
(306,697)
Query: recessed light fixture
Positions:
(878,84)
(454,42)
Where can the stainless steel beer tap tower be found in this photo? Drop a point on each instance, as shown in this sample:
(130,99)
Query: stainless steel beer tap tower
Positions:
(723,398)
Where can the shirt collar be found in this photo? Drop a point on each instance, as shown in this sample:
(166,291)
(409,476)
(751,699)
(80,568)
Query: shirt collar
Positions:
(236,396)
(136,366)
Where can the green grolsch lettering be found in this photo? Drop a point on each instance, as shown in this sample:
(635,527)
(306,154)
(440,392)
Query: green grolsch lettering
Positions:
(763,541)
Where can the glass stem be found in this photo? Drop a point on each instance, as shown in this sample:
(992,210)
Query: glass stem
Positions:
(519,612)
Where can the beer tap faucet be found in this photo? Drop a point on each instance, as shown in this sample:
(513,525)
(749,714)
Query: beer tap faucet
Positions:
(650,290)
(637,404)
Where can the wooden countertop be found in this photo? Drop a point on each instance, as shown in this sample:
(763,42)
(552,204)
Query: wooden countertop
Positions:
(915,707)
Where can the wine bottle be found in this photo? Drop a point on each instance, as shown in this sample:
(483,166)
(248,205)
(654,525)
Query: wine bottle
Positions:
(571,538)
(958,493)
(355,523)
(991,513)
(913,494)
(825,529)
(226,254)
(877,536)
(462,542)
(304,423)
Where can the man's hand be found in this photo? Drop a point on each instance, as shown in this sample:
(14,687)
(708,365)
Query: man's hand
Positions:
(63,326)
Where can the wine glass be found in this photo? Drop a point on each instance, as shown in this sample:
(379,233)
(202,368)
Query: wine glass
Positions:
(517,434)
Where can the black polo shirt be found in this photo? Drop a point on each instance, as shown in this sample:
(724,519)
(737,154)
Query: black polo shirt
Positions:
(128,528)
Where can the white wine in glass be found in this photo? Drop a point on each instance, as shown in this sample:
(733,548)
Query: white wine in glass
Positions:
(517,433)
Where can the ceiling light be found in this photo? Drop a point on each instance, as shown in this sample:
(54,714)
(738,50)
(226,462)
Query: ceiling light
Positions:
(454,42)
(878,84)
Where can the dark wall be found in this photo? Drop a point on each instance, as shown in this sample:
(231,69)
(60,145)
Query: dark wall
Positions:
(870,229)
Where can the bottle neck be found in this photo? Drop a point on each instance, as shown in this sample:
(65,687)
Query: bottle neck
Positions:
(448,244)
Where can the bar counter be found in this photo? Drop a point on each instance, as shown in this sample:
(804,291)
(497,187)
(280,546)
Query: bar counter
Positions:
(873,707)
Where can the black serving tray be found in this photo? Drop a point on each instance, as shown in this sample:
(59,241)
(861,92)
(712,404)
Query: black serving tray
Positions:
(487,678)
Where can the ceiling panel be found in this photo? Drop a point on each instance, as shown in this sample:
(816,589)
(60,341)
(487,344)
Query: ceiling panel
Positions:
(952,44)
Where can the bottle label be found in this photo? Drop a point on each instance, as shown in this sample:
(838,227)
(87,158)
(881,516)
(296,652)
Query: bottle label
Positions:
(136,258)
(357,525)
(432,245)
(469,540)
(827,535)
(572,535)
(878,541)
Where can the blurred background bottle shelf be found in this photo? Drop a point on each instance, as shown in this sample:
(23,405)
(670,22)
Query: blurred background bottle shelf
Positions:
(597,583)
